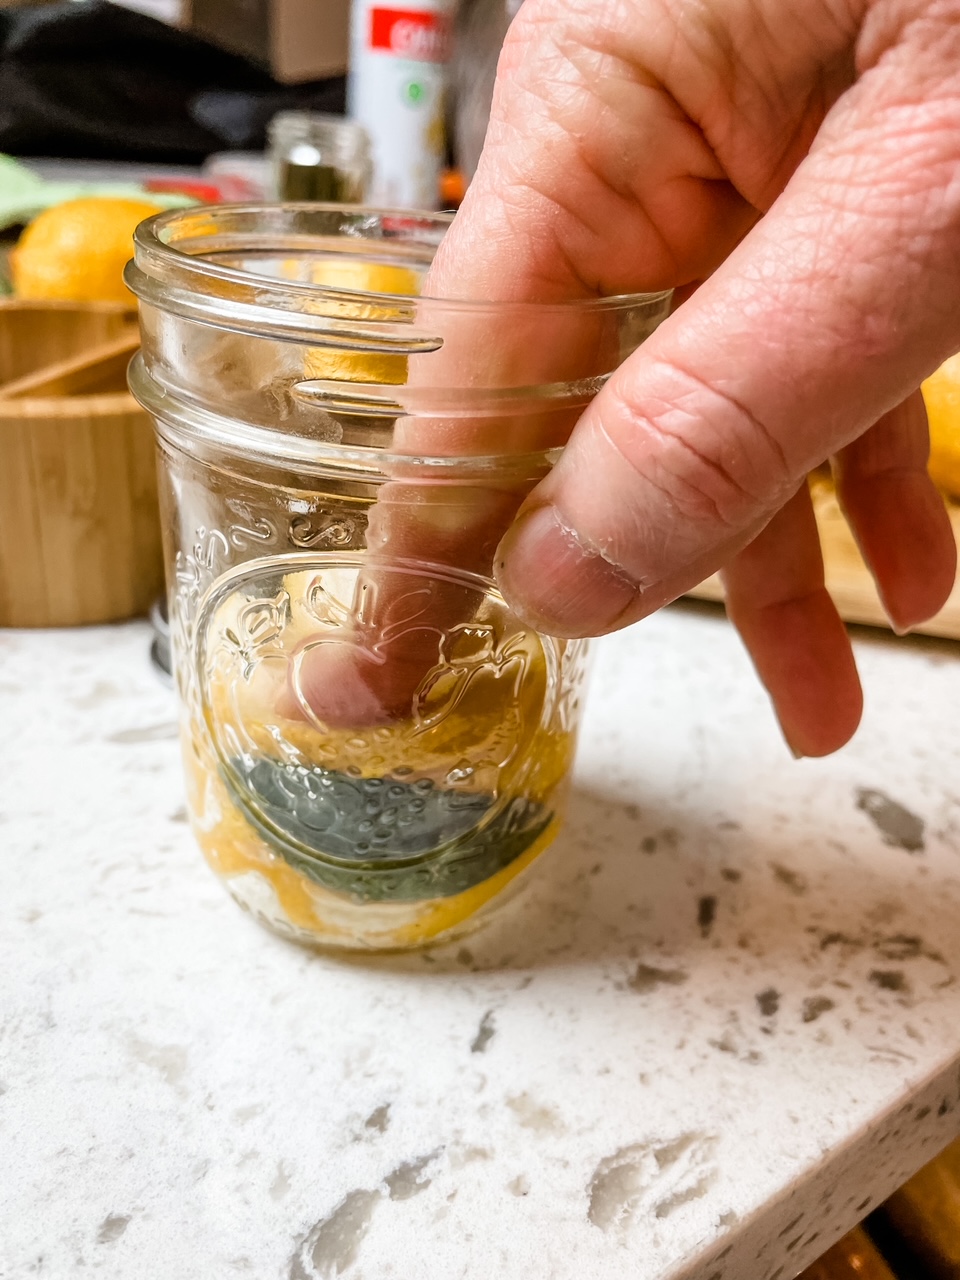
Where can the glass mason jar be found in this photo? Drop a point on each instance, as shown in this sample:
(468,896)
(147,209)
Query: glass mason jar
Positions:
(319,157)
(376,749)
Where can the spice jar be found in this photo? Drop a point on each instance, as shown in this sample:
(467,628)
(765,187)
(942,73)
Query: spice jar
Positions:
(376,748)
(319,157)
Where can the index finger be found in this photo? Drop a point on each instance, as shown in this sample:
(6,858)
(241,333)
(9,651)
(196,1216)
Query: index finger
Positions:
(478,418)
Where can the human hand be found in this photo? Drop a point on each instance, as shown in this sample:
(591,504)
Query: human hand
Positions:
(803,160)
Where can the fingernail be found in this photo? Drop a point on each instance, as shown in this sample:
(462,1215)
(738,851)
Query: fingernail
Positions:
(788,741)
(556,583)
(898,625)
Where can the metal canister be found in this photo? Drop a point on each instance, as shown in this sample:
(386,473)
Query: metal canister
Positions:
(399,61)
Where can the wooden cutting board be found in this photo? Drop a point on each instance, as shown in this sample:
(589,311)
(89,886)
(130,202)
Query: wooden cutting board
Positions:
(848,579)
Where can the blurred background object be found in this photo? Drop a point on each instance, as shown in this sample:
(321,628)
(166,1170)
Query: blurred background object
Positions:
(479,33)
(941,395)
(319,157)
(397,89)
(173,12)
(294,40)
(185,83)
(76,251)
(90,79)
(855,1257)
(915,1235)
(920,1224)
(25,191)
(160,654)
(238,176)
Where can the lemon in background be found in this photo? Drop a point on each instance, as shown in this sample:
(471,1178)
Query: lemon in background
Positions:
(76,251)
(941,394)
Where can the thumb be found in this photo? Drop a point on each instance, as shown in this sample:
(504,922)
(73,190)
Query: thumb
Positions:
(827,315)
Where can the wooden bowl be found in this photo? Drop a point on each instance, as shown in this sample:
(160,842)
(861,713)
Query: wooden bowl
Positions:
(79,529)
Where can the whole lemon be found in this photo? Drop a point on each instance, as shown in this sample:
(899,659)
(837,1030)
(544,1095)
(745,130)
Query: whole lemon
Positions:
(941,393)
(76,251)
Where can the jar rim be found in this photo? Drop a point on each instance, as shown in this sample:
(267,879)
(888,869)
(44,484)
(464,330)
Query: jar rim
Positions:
(412,236)
(183,424)
(248,270)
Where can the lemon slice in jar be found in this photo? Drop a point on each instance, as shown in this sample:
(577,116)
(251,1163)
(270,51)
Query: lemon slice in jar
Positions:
(331,365)
(443,915)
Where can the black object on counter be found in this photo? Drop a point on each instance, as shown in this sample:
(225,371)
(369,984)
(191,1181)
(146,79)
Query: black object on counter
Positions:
(160,647)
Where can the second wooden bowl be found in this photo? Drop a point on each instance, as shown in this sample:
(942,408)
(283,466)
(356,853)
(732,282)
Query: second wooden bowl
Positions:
(79,530)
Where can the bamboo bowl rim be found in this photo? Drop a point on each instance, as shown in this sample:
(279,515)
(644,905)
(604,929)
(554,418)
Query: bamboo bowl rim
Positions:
(107,404)
(68,304)
(101,404)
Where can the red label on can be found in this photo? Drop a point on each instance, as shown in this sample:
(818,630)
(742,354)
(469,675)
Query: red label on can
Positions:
(411,33)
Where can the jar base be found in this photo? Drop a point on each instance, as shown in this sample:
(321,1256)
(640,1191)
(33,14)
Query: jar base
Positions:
(254,894)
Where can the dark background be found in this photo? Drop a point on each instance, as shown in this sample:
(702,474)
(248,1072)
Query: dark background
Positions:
(97,81)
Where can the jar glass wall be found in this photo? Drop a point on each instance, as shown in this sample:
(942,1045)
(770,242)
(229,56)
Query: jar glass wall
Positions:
(376,749)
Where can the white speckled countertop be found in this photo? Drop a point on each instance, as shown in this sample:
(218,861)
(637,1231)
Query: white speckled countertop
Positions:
(723,1024)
